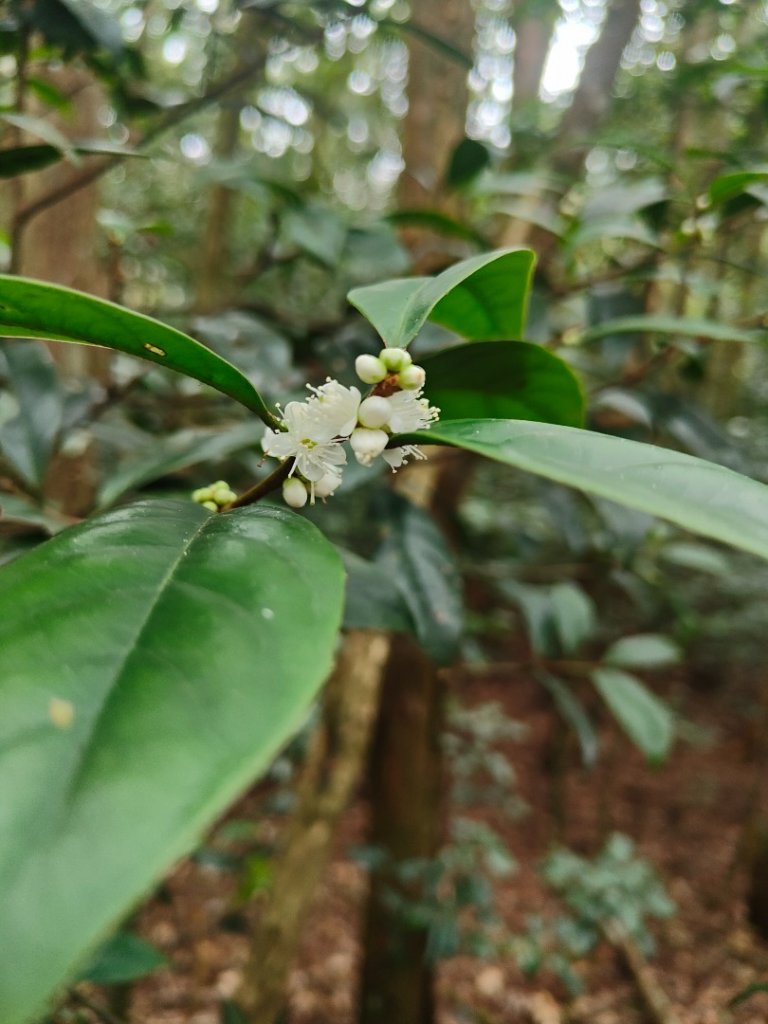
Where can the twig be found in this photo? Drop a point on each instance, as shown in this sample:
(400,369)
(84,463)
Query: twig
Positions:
(263,487)
(655,1000)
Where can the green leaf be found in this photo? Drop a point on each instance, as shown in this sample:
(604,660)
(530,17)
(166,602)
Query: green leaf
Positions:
(572,711)
(727,186)
(438,222)
(124,957)
(701,496)
(747,993)
(573,614)
(699,557)
(467,160)
(517,380)
(373,598)
(34,309)
(417,557)
(28,440)
(647,720)
(689,327)
(152,662)
(646,650)
(483,298)
(176,452)
(23,159)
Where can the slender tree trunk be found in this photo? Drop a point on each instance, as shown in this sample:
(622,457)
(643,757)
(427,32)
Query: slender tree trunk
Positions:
(437,110)
(61,245)
(405,781)
(533,35)
(326,786)
(214,275)
(592,98)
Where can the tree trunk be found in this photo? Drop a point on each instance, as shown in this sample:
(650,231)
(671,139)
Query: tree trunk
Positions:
(437,110)
(327,783)
(405,781)
(60,245)
(592,98)
(533,35)
(214,275)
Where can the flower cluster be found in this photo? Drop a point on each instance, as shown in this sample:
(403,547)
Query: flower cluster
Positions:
(316,430)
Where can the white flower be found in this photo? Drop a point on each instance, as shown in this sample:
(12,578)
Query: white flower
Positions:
(397,457)
(308,439)
(410,412)
(335,408)
(367,444)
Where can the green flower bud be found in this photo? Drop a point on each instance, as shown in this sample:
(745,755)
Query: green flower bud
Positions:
(395,359)
(412,378)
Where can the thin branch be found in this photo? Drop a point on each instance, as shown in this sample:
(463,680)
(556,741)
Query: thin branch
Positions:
(263,487)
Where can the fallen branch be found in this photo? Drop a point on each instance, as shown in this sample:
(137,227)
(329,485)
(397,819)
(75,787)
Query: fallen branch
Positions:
(655,1000)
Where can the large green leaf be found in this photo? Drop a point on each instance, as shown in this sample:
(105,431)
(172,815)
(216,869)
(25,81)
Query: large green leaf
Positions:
(647,720)
(701,496)
(34,309)
(691,327)
(483,298)
(152,661)
(518,381)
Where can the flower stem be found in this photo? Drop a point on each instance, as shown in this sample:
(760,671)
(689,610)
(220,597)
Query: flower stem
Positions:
(263,487)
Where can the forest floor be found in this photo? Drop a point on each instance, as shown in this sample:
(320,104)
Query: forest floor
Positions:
(687,817)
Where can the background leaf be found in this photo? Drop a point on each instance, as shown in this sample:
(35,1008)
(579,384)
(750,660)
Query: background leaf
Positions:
(691,327)
(647,720)
(124,957)
(418,559)
(518,380)
(646,650)
(152,661)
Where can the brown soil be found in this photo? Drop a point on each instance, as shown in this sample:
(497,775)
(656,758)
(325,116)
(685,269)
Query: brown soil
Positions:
(687,817)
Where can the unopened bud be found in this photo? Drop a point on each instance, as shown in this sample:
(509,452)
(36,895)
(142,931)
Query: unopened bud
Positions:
(374,412)
(367,444)
(395,359)
(370,369)
(210,505)
(412,377)
(295,493)
(327,484)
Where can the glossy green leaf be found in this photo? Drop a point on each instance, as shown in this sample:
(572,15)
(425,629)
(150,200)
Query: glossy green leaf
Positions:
(701,496)
(417,558)
(34,309)
(647,721)
(483,298)
(123,957)
(707,330)
(518,381)
(152,662)
(646,650)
